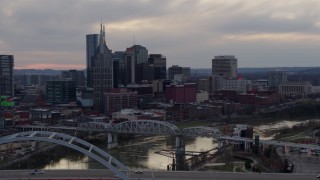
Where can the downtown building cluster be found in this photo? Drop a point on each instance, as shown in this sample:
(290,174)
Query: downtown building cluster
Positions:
(133,84)
(107,71)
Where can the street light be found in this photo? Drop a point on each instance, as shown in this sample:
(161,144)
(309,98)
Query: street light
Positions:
(19,171)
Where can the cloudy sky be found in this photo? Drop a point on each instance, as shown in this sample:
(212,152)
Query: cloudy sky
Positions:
(260,33)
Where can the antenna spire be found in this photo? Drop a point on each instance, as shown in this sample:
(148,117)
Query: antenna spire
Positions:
(134,40)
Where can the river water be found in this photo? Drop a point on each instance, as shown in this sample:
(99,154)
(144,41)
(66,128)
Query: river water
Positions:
(140,151)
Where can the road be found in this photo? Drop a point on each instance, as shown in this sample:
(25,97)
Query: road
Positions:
(304,163)
(150,175)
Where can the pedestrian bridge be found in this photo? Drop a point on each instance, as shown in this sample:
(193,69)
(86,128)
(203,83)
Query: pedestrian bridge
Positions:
(142,127)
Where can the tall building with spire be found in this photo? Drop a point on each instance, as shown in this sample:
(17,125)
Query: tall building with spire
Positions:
(92,43)
(102,80)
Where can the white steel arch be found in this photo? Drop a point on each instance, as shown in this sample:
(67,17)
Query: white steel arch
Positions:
(72,142)
(149,127)
(203,131)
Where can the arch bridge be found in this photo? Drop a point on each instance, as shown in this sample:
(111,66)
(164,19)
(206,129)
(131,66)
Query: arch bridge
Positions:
(72,142)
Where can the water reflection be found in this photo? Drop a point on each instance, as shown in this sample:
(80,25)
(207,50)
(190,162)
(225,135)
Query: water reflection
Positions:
(66,163)
(138,153)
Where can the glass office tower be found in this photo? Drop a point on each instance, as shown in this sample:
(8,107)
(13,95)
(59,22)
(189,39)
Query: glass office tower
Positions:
(92,43)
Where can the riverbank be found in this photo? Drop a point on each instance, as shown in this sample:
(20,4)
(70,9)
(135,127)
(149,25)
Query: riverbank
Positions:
(17,162)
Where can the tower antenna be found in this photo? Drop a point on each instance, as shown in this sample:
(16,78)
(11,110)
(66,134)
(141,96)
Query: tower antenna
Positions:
(133,40)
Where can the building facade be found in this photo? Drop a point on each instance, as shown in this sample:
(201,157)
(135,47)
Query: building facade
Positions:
(181,94)
(202,96)
(241,86)
(6,75)
(204,84)
(130,67)
(119,99)
(61,91)
(295,89)
(225,66)
(119,69)
(101,72)
(275,78)
(159,63)
(92,43)
(75,75)
(140,54)
(175,69)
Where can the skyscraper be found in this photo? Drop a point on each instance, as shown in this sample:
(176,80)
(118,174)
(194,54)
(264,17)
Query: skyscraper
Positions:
(225,66)
(130,67)
(61,91)
(92,43)
(119,69)
(75,75)
(275,78)
(6,75)
(140,54)
(175,69)
(140,57)
(101,72)
(160,65)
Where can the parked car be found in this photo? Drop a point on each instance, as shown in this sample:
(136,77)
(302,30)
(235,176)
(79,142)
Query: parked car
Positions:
(36,171)
(138,172)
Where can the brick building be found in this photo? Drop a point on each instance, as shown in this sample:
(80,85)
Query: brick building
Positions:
(118,99)
(181,94)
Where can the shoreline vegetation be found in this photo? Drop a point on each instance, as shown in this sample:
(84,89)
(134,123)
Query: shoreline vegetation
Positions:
(301,111)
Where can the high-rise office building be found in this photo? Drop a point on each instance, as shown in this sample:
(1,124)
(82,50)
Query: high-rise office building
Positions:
(92,43)
(101,72)
(75,75)
(275,78)
(175,69)
(140,54)
(119,69)
(148,72)
(139,58)
(159,63)
(6,75)
(61,91)
(225,66)
(130,67)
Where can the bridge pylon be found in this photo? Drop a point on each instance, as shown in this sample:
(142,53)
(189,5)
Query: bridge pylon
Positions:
(180,154)
(112,141)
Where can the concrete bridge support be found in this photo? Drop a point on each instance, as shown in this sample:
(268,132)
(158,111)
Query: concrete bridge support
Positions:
(285,150)
(220,144)
(247,146)
(112,141)
(180,154)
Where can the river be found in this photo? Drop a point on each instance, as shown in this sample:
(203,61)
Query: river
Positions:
(140,151)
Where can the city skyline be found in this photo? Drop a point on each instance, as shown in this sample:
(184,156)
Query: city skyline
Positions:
(52,34)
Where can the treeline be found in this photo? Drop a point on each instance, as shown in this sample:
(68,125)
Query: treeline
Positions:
(309,109)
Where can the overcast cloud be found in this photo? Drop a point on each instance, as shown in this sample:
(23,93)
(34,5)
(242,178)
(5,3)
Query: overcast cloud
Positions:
(260,33)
